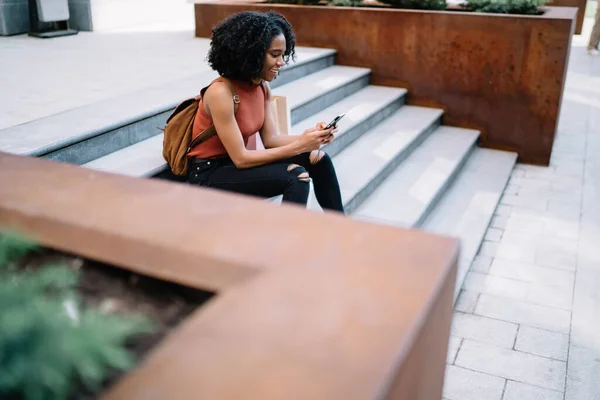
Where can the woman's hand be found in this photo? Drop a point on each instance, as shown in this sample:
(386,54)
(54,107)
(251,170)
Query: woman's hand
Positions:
(334,130)
(313,138)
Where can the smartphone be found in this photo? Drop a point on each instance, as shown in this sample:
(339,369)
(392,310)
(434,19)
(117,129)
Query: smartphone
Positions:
(335,121)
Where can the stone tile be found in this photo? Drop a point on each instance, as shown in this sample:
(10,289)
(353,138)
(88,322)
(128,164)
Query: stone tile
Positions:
(542,343)
(503,209)
(518,173)
(531,292)
(485,330)
(582,375)
(488,249)
(566,186)
(522,391)
(524,224)
(453,346)
(513,365)
(493,235)
(511,189)
(481,264)
(496,285)
(556,259)
(572,169)
(540,242)
(589,256)
(521,312)
(560,227)
(531,203)
(532,273)
(466,301)
(514,251)
(564,209)
(499,221)
(528,182)
(551,296)
(463,384)
(546,173)
(547,193)
(585,324)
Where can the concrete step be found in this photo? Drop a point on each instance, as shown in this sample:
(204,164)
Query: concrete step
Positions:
(364,109)
(89,132)
(142,159)
(413,189)
(469,204)
(366,163)
(309,95)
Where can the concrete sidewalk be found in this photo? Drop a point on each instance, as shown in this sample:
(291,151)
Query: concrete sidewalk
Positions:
(527,323)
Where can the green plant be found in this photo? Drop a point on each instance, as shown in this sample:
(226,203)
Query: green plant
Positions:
(299,2)
(506,6)
(418,4)
(346,3)
(49,341)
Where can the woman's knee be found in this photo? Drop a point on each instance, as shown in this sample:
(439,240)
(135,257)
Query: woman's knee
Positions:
(298,172)
(318,156)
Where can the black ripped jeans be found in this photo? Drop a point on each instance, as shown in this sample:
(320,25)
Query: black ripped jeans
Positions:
(286,177)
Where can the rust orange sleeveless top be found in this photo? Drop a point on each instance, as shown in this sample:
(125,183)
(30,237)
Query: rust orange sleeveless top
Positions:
(250,117)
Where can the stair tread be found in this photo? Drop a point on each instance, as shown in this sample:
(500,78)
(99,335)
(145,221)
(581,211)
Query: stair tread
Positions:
(56,131)
(145,158)
(142,159)
(358,107)
(469,205)
(406,195)
(305,89)
(364,159)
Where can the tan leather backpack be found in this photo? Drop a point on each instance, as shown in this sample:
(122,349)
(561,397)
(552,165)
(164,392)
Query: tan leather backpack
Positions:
(177,140)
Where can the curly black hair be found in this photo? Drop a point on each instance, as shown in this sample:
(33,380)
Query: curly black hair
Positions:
(239,43)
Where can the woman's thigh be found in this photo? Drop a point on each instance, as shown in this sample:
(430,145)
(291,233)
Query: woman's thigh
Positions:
(263,181)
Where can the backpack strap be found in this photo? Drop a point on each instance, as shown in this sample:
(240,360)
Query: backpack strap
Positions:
(211,130)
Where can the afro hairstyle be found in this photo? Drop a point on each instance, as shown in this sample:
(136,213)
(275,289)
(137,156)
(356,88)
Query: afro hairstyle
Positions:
(239,43)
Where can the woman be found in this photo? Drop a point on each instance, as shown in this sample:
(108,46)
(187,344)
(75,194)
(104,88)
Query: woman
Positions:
(248,50)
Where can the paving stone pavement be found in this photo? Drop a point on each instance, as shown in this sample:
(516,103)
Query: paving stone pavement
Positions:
(527,323)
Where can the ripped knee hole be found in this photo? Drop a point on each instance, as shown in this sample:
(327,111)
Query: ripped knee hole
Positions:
(316,156)
(304,177)
(292,167)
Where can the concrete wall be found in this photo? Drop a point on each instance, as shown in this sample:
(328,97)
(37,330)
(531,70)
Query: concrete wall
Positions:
(14,17)
(106,15)
(81,15)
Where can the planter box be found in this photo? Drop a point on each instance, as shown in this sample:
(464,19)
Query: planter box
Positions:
(501,74)
(364,314)
(579,4)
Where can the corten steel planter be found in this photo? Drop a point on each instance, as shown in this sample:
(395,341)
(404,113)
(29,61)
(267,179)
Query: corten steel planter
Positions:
(307,305)
(579,4)
(501,74)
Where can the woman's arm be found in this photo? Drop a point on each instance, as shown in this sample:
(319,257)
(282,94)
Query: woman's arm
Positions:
(220,107)
(269,132)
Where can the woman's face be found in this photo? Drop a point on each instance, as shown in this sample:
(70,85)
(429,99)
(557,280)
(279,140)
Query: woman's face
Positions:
(274,58)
